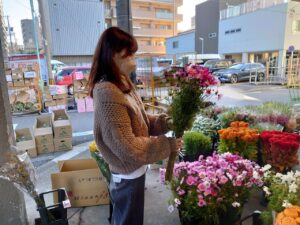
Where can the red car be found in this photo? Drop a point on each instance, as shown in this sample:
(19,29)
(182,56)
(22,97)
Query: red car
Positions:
(67,75)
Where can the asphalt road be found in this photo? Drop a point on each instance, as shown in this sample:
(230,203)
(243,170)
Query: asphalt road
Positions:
(233,95)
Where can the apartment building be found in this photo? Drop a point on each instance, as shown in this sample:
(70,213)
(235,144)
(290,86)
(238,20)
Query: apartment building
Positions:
(260,30)
(152,20)
(28,34)
(3,34)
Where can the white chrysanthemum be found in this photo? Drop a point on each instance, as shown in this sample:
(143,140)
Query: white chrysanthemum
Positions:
(266,190)
(266,168)
(236,204)
(286,204)
(293,188)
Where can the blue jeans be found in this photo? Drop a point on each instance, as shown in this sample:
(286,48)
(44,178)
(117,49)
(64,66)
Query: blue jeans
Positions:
(127,197)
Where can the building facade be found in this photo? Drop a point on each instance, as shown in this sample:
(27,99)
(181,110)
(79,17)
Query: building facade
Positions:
(207,26)
(72,29)
(260,30)
(28,34)
(152,20)
(183,43)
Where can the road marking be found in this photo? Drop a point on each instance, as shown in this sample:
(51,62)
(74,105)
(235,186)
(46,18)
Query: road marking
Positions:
(15,125)
(84,133)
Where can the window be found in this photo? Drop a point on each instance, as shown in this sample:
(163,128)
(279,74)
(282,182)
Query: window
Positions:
(144,8)
(145,25)
(175,44)
(227,32)
(212,35)
(296,26)
(232,31)
(145,43)
(238,30)
(63,73)
(163,27)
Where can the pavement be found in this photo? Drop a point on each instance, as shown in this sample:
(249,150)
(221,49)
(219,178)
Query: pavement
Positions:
(156,197)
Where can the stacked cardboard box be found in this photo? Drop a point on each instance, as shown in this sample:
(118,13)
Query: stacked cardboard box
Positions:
(43,134)
(55,97)
(17,77)
(84,102)
(62,130)
(25,142)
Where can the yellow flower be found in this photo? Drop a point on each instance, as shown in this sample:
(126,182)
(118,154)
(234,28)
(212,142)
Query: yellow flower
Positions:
(93,147)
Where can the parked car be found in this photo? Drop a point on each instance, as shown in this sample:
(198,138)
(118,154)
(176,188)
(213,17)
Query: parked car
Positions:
(217,64)
(66,76)
(241,72)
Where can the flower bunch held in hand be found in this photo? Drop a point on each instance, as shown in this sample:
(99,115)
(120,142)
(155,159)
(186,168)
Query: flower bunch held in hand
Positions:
(280,149)
(206,188)
(282,191)
(193,88)
(239,139)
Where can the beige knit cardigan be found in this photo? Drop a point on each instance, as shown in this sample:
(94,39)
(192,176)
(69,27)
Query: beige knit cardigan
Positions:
(128,139)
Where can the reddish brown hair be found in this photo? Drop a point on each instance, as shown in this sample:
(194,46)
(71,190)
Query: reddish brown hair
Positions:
(113,40)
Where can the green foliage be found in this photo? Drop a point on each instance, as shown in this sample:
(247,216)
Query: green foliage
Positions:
(207,126)
(195,142)
(246,149)
(185,106)
(271,108)
(227,117)
(267,126)
(267,218)
(102,164)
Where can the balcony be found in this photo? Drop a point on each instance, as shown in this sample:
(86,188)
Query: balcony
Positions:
(144,14)
(151,49)
(177,2)
(248,7)
(151,32)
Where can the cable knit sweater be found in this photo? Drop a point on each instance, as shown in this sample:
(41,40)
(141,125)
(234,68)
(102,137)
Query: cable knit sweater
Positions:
(124,133)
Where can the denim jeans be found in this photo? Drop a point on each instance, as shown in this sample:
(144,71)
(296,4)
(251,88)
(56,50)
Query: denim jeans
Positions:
(127,198)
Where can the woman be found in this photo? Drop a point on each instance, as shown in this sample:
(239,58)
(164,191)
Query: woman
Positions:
(128,137)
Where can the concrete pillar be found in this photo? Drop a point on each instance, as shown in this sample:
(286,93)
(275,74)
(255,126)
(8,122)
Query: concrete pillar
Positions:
(245,57)
(12,205)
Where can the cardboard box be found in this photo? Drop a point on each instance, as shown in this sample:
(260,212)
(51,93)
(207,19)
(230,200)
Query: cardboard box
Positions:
(29,74)
(89,104)
(80,105)
(25,142)
(61,124)
(42,130)
(50,103)
(80,85)
(61,96)
(62,144)
(29,82)
(61,101)
(18,83)
(10,84)
(48,148)
(17,74)
(48,97)
(8,78)
(83,182)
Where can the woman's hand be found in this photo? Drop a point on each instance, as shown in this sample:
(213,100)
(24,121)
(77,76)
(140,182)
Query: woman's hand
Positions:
(179,143)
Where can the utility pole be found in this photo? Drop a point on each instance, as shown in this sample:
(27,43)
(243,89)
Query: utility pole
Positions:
(45,37)
(10,34)
(41,82)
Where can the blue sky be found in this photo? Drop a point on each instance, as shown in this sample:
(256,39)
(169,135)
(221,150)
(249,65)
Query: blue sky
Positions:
(20,9)
(17,10)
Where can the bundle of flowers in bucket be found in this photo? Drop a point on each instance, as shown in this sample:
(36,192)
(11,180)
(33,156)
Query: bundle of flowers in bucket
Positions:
(239,139)
(212,191)
(193,90)
(280,149)
(289,216)
(282,191)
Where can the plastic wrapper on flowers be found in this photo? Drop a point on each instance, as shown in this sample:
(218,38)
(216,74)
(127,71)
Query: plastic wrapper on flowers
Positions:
(194,88)
(208,188)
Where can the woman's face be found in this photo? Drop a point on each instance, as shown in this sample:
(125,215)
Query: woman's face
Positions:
(126,65)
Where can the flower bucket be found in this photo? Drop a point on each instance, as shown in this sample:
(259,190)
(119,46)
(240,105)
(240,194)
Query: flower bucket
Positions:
(57,212)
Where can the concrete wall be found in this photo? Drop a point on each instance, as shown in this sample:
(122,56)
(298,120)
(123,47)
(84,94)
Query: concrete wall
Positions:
(207,22)
(225,3)
(262,30)
(186,43)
